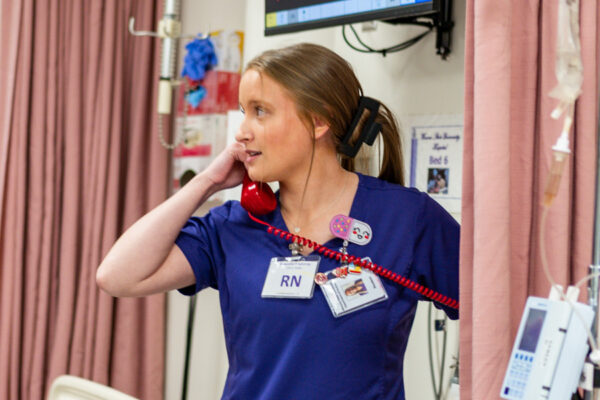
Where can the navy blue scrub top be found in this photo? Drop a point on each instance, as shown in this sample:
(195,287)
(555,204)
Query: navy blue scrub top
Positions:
(295,349)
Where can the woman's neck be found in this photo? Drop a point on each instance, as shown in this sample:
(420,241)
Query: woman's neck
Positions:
(329,191)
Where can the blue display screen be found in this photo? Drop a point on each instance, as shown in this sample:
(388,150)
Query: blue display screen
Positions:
(531,332)
(294,15)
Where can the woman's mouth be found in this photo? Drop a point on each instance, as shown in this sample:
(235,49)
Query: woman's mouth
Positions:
(252,155)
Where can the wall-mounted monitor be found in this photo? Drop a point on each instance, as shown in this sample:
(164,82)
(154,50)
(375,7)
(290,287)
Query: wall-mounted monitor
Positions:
(283,16)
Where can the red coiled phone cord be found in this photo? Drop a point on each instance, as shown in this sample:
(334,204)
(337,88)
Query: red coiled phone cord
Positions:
(378,269)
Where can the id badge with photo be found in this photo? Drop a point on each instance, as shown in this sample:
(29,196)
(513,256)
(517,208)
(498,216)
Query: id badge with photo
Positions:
(291,277)
(352,292)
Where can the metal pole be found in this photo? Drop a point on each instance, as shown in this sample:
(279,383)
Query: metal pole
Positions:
(595,267)
(188,347)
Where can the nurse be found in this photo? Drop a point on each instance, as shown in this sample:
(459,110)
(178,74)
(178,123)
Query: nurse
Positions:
(286,337)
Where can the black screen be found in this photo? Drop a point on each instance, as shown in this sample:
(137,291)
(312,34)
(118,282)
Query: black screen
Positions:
(531,332)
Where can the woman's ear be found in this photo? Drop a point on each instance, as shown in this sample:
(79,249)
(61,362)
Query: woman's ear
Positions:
(321,127)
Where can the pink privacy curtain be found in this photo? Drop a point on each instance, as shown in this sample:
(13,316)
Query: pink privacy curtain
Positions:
(79,162)
(509,71)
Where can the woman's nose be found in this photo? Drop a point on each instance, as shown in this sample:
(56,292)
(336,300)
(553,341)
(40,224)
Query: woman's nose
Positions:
(243,134)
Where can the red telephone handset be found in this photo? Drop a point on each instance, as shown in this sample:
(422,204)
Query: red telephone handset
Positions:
(257,198)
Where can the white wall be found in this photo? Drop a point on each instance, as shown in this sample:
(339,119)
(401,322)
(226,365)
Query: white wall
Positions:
(414,81)
(203,16)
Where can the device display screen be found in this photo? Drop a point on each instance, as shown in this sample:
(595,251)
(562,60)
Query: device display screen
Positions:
(533,327)
(297,15)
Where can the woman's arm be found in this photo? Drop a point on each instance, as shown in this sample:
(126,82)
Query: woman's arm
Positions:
(145,259)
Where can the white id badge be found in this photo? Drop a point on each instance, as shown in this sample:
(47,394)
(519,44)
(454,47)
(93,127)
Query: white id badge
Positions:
(291,277)
(353,292)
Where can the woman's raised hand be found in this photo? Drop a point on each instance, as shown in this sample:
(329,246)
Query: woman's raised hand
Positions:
(227,170)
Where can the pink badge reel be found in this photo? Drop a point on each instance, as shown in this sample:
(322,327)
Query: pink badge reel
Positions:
(350,229)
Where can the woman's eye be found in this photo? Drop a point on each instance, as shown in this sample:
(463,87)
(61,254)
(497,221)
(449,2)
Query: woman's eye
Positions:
(242,110)
(260,111)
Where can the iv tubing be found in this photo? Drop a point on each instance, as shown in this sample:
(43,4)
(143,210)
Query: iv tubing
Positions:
(561,154)
(546,269)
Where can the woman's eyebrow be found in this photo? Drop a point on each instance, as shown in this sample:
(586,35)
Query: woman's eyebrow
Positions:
(254,102)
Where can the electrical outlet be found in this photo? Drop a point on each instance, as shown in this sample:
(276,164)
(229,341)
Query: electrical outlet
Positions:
(440,325)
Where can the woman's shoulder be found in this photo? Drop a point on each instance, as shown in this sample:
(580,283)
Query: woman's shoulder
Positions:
(393,191)
(230,211)
(386,196)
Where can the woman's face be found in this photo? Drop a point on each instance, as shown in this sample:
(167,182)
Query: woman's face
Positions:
(352,290)
(278,142)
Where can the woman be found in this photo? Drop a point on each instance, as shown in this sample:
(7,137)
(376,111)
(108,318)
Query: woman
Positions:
(298,104)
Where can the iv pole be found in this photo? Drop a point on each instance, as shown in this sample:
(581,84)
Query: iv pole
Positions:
(570,78)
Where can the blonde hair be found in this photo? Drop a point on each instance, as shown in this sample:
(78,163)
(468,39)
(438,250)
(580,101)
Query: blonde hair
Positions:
(323,84)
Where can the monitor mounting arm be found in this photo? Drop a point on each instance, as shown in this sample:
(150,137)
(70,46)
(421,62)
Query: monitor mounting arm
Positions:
(441,21)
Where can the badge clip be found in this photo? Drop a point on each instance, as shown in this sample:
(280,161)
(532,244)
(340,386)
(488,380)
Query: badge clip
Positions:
(296,248)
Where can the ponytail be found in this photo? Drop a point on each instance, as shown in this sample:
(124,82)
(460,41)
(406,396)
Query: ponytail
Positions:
(392,163)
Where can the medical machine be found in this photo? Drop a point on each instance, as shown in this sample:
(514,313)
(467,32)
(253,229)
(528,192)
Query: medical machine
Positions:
(549,351)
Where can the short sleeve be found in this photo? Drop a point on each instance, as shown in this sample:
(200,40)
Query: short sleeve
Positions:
(197,242)
(436,252)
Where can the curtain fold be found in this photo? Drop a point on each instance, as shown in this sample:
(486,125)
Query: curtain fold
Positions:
(79,163)
(509,72)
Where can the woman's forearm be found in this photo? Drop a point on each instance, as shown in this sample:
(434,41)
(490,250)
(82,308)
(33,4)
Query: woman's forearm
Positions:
(144,246)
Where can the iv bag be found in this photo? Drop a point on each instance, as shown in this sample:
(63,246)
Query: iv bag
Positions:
(569,67)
